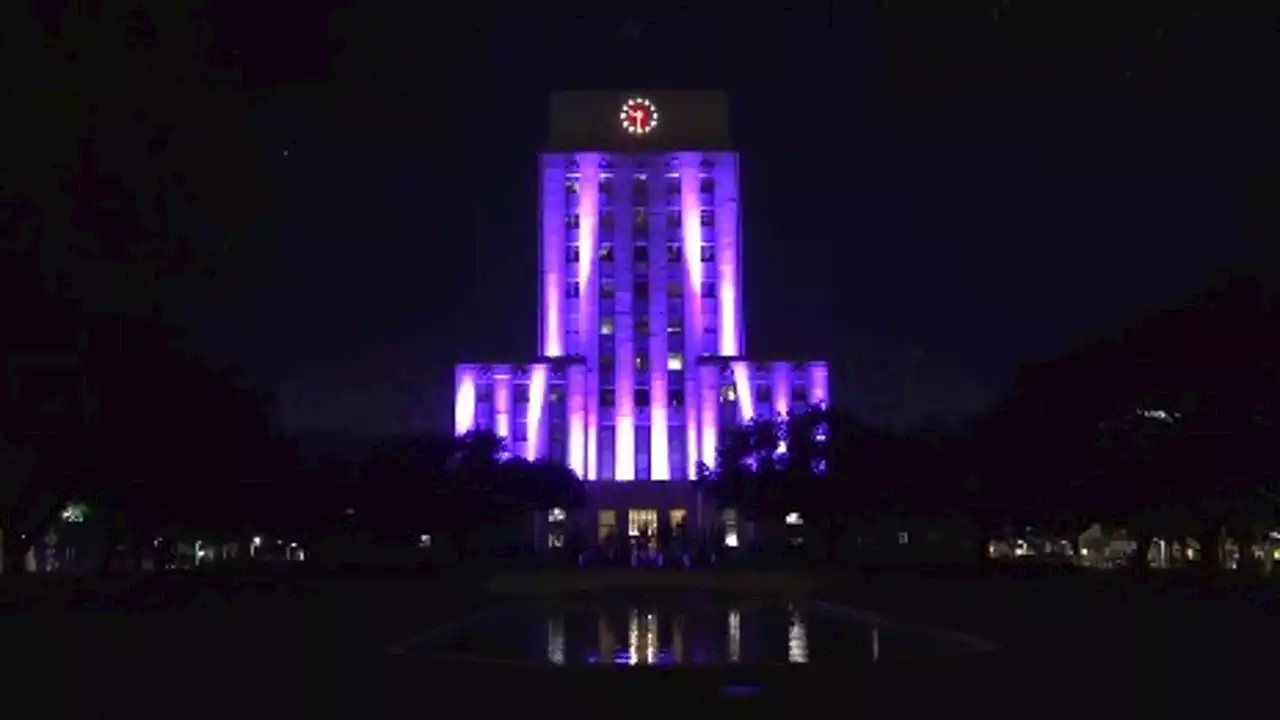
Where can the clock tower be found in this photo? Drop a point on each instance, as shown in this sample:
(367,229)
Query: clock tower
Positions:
(642,360)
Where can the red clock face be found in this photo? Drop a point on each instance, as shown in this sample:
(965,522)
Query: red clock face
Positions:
(639,116)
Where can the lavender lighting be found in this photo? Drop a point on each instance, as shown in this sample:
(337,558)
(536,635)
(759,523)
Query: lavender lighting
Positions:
(533,419)
(742,387)
(691,330)
(577,421)
(502,401)
(727,269)
(553,258)
(464,400)
(588,246)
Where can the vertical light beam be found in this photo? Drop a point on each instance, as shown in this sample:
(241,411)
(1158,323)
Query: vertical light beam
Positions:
(588,246)
(553,256)
(533,418)
(710,389)
(502,403)
(691,251)
(728,298)
(742,385)
(818,388)
(577,420)
(464,399)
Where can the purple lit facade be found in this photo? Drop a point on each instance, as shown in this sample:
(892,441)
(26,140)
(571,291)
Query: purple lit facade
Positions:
(641,339)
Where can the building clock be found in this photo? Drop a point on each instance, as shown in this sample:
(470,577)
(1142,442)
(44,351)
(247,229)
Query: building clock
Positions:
(639,116)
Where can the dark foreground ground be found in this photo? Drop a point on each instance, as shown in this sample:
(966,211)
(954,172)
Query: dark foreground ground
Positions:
(251,646)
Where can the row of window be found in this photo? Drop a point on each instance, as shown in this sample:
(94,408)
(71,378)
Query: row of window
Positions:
(671,162)
(640,219)
(640,253)
(573,289)
(639,187)
(762,393)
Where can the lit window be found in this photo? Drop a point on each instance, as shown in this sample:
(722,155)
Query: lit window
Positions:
(556,515)
(903,538)
(675,361)
(730,528)
(606,523)
(677,519)
(793,518)
(728,393)
(606,326)
(642,519)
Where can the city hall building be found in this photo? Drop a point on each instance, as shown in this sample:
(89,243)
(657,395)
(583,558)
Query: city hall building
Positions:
(642,357)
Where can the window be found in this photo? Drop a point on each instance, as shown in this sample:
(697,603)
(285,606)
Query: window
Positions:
(799,394)
(606,253)
(708,217)
(641,253)
(677,520)
(642,397)
(484,393)
(904,538)
(675,397)
(607,289)
(730,519)
(642,289)
(641,217)
(606,397)
(642,363)
(708,253)
(728,393)
(673,219)
(639,191)
(642,521)
(571,187)
(606,326)
(793,518)
(673,252)
(642,327)
(607,524)
(706,185)
(675,361)
(572,220)
(556,515)
(571,253)
(522,392)
(763,394)
(675,325)
(520,431)
(675,288)
(709,289)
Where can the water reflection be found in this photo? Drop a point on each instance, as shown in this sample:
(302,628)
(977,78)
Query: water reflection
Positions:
(797,639)
(735,635)
(684,633)
(677,637)
(555,638)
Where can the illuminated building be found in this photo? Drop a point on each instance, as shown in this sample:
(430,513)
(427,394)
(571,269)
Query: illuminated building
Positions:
(641,338)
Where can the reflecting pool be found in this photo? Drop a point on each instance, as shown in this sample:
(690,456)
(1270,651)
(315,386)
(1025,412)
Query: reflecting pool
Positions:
(683,632)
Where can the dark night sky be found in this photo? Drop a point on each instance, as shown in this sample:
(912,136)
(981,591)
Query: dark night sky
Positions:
(925,197)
